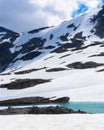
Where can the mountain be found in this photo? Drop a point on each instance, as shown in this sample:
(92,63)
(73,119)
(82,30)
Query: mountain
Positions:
(7,37)
(63,60)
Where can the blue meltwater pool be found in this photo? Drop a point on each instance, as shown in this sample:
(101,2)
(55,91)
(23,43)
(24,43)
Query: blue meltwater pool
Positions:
(90,107)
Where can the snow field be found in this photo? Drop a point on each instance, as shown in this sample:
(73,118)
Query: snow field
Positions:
(53,122)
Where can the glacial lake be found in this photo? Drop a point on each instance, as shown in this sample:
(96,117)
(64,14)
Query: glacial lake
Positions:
(90,107)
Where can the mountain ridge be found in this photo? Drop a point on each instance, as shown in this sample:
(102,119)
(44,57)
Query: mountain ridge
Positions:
(69,56)
(36,39)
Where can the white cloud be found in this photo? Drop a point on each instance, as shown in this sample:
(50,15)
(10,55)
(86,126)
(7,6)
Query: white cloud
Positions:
(25,15)
(57,11)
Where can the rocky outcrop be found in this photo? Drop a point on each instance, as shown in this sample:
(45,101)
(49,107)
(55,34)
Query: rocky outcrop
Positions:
(55,69)
(53,110)
(61,100)
(99,19)
(37,30)
(29,71)
(80,65)
(6,42)
(101,70)
(39,110)
(33,100)
(24,83)
(100,54)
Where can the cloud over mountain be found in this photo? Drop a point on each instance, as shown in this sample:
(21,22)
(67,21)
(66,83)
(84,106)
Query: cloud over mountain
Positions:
(27,14)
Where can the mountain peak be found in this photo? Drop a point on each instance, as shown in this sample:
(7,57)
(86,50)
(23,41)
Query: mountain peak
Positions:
(5,30)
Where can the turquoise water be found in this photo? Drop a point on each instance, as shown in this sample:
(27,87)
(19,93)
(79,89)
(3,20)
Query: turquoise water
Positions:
(90,107)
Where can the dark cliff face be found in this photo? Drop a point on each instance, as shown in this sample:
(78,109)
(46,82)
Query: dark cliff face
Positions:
(5,30)
(99,19)
(7,37)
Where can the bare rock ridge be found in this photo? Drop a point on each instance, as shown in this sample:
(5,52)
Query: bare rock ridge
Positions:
(38,110)
(79,65)
(7,37)
(24,83)
(33,101)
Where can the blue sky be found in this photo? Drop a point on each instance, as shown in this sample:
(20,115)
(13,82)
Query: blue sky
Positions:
(25,15)
(82,8)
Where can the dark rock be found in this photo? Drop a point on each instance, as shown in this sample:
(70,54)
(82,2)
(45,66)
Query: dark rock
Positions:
(5,74)
(51,36)
(29,49)
(101,70)
(65,56)
(72,26)
(28,56)
(34,110)
(90,45)
(49,47)
(50,110)
(32,44)
(48,57)
(55,69)
(2,29)
(99,19)
(62,48)
(37,30)
(13,111)
(33,100)
(29,71)
(24,83)
(79,65)
(62,100)
(100,54)
(11,36)
(39,110)
(25,101)
(63,62)
(31,55)
(76,42)
(6,56)
(64,37)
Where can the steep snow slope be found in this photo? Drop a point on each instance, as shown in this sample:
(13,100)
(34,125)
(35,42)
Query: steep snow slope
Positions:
(67,60)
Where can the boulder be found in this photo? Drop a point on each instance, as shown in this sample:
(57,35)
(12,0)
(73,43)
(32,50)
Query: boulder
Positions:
(61,100)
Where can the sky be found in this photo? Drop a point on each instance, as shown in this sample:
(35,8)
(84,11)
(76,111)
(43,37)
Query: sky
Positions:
(26,15)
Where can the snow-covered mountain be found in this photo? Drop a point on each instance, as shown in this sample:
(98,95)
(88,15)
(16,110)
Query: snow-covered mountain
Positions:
(65,60)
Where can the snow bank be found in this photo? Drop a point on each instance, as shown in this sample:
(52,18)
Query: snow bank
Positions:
(53,122)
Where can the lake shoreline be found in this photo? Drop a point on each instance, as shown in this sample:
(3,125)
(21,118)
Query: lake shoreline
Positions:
(53,105)
(39,110)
